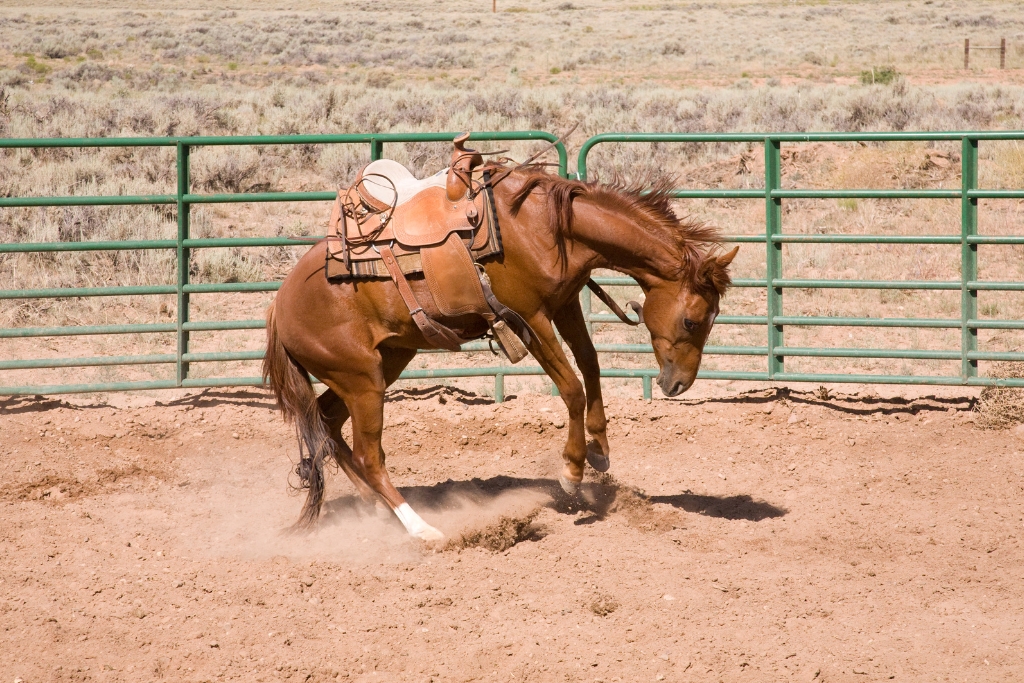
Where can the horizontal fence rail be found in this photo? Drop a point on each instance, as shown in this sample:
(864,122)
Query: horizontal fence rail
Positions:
(774,350)
(775,283)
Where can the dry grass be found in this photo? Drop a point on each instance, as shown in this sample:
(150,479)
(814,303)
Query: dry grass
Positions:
(1002,407)
(101,70)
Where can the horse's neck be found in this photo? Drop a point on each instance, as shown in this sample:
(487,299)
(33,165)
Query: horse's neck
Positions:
(616,242)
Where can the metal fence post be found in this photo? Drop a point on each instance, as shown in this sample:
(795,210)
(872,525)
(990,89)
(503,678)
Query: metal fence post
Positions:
(183,261)
(773,253)
(376,149)
(968,257)
(499,387)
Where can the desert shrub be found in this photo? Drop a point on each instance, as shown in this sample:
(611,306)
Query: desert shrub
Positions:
(673,48)
(879,75)
(379,79)
(813,58)
(231,170)
(59,50)
(1001,407)
(31,66)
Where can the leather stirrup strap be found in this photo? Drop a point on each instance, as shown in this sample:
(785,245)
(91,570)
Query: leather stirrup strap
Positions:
(435,333)
(610,303)
(513,319)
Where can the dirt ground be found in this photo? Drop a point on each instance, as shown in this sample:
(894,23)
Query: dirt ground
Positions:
(754,536)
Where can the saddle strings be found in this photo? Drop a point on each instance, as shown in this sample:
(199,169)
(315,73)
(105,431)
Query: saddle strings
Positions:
(365,210)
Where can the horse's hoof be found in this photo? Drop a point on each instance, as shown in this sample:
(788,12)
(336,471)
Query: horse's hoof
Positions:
(598,460)
(428,533)
(570,487)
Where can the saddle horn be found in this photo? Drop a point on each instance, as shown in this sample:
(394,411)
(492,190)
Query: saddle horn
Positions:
(459,171)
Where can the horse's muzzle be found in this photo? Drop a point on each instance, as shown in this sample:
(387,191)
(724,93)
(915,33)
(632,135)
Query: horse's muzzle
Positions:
(671,384)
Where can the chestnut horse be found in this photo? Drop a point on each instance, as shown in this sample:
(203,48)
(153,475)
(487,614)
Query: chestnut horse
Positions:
(357,337)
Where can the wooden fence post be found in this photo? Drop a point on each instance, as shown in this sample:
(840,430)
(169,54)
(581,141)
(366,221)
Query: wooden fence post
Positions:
(1002,53)
(967,53)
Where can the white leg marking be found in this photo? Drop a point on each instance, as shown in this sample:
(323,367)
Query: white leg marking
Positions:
(415,525)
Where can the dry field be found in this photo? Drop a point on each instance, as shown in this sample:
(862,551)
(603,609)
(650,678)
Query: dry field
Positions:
(760,536)
(100,69)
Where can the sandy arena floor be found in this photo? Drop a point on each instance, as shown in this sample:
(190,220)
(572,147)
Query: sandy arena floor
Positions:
(782,537)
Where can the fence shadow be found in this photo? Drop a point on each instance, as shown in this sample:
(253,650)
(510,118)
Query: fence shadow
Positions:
(844,403)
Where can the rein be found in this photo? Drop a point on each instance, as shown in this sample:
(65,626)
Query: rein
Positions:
(610,303)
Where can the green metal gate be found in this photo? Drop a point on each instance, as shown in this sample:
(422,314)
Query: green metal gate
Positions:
(774,351)
(775,283)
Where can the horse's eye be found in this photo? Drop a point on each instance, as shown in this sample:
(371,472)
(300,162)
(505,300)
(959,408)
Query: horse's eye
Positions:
(689,325)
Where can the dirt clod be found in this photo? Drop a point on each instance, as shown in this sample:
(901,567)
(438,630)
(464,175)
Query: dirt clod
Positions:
(603,605)
(497,536)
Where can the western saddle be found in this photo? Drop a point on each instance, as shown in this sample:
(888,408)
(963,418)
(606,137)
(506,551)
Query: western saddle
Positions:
(389,224)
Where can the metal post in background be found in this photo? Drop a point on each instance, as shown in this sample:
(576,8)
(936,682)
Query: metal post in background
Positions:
(967,53)
(1002,53)
(968,257)
(773,251)
(184,260)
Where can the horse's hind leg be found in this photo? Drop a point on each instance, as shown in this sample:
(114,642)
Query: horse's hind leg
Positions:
(363,394)
(570,322)
(336,413)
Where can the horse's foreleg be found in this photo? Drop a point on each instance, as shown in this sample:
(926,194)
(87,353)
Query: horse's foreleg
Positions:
(548,352)
(336,413)
(570,322)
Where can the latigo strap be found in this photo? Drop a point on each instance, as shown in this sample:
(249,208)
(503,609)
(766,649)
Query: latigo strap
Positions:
(435,333)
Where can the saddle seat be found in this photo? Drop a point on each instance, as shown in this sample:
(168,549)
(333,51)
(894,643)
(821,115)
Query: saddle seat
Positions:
(422,219)
(403,186)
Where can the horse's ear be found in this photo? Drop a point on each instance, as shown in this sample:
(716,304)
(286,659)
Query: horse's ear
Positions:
(727,258)
(715,271)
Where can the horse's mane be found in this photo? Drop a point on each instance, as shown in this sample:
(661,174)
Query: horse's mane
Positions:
(648,202)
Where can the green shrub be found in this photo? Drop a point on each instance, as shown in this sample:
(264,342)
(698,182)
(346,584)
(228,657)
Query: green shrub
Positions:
(38,67)
(881,75)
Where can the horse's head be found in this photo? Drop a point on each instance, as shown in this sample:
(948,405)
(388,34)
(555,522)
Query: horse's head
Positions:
(679,316)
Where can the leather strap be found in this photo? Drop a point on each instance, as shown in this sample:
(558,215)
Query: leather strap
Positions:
(511,318)
(610,303)
(435,333)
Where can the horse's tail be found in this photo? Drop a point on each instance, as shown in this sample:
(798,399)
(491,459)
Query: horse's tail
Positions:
(297,400)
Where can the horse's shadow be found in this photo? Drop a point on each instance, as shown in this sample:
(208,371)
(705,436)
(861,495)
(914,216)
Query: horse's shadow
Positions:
(597,497)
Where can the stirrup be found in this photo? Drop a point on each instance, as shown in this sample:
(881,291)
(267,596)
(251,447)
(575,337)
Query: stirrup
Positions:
(509,342)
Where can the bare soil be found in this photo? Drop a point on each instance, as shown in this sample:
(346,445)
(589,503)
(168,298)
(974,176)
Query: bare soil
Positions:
(757,536)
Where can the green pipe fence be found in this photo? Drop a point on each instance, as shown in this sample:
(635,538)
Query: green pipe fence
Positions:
(775,284)
(774,350)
